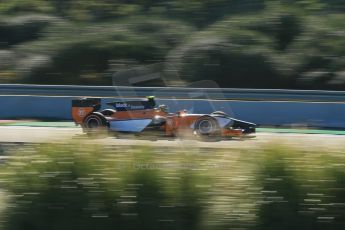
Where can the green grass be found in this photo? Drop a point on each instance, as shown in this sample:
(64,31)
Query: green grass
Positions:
(302,131)
(85,186)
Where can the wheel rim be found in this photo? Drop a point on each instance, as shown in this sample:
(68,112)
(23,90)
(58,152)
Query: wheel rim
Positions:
(93,123)
(205,127)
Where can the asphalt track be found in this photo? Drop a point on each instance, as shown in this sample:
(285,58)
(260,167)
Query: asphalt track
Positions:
(24,134)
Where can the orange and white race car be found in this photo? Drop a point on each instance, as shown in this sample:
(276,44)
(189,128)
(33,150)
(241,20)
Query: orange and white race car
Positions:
(143,115)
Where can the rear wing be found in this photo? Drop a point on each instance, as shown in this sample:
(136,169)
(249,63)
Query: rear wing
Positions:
(83,107)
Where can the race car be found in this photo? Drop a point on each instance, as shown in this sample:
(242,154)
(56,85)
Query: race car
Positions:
(143,115)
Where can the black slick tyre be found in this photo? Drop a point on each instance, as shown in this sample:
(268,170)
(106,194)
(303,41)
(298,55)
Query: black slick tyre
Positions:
(95,124)
(207,129)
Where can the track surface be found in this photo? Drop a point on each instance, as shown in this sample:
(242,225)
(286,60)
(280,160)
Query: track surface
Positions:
(18,134)
(69,124)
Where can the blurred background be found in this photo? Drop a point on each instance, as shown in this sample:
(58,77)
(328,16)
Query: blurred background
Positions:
(292,44)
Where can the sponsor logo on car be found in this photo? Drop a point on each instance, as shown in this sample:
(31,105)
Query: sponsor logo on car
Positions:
(81,112)
(137,107)
(122,105)
(129,106)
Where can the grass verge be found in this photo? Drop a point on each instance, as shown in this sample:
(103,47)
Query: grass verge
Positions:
(84,186)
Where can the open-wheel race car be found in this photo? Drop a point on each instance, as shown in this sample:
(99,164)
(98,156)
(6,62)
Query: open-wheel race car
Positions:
(144,115)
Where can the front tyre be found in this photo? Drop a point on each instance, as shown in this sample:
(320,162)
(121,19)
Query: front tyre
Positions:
(207,128)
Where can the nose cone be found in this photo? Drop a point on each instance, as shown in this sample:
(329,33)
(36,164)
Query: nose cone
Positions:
(251,129)
(247,127)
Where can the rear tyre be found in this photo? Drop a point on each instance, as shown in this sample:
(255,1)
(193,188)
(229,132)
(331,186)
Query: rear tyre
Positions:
(207,128)
(95,124)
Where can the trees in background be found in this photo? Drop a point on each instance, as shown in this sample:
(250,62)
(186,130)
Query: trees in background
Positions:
(237,43)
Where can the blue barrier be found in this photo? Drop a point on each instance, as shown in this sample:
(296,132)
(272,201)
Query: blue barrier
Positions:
(175,92)
(267,113)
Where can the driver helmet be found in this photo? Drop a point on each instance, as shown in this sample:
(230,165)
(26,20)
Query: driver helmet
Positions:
(163,108)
